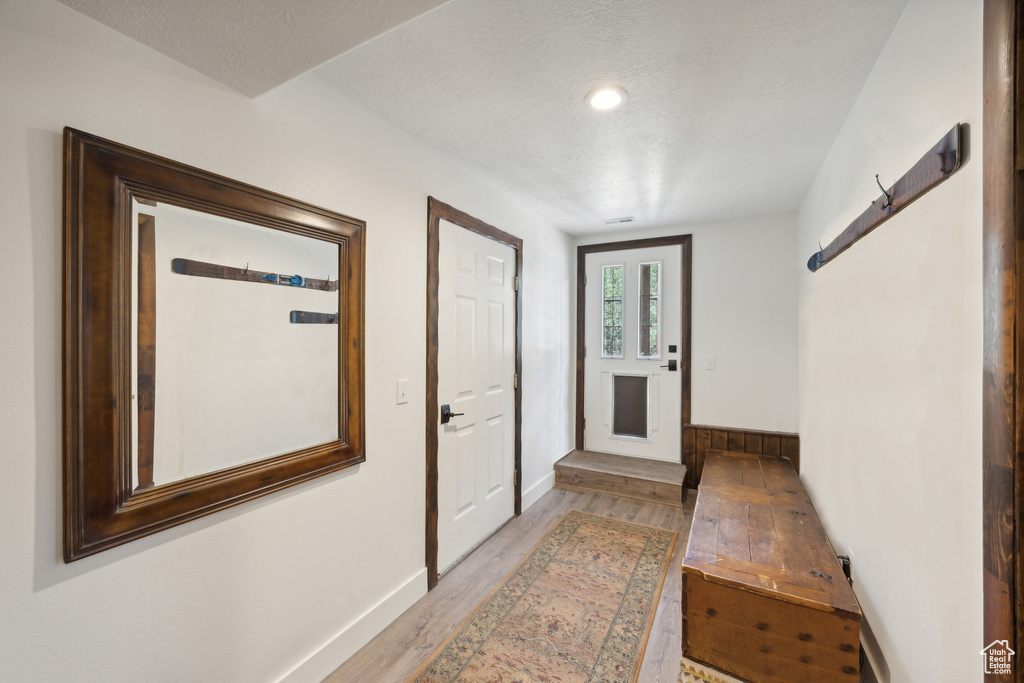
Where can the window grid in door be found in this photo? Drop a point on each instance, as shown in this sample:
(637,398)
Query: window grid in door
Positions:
(611,311)
(649,314)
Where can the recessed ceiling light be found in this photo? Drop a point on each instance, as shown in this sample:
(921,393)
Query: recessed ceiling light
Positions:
(606,98)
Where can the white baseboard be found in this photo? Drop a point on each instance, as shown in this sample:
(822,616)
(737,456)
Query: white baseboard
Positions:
(363,628)
(358,632)
(533,494)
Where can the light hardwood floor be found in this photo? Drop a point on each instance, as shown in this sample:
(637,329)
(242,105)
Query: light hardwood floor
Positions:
(398,650)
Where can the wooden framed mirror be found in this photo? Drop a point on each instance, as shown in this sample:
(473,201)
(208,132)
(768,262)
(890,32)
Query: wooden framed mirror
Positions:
(213,343)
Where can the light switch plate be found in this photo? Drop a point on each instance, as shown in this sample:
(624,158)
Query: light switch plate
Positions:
(401,392)
(709,363)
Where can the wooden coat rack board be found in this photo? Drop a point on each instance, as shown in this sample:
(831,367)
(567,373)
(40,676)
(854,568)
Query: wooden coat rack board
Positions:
(942,161)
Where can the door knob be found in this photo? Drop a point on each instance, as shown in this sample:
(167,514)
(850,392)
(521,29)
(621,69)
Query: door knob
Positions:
(447,414)
(671,366)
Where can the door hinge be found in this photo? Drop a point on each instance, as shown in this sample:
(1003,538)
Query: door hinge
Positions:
(584,280)
(515,381)
(515,478)
(516,283)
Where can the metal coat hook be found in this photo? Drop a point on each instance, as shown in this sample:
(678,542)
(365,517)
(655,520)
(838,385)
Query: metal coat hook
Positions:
(888,197)
(817,256)
(246,271)
(940,162)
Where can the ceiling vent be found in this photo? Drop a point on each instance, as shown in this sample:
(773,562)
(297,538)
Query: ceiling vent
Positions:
(619,221)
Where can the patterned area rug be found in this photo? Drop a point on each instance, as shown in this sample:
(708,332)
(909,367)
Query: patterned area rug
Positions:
(579,607)
(695,672)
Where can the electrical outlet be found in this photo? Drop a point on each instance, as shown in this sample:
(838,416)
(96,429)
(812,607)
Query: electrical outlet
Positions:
(402,392)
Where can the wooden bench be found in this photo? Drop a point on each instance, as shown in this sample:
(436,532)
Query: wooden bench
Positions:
(764,597)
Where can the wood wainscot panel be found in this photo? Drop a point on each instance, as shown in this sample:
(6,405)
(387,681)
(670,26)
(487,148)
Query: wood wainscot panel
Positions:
(699,439)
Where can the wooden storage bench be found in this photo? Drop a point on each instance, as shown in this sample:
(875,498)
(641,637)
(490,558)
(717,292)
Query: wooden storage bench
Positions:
(764,597)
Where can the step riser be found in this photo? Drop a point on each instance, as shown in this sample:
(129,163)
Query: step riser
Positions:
(629,487)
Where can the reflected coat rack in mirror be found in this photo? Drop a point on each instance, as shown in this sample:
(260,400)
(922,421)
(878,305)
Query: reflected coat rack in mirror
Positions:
(213,343)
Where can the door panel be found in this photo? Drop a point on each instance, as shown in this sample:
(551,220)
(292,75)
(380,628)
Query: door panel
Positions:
(476,365)
(650,396)
(496,360)
(465,448)
(495,455)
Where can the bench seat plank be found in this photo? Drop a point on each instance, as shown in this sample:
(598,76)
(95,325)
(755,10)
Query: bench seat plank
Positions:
(765,598)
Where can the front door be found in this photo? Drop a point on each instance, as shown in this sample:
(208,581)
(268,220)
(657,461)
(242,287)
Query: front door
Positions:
(476,366)
(632,378)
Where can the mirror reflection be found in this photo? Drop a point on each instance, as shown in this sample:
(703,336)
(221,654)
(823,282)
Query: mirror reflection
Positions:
(235,343)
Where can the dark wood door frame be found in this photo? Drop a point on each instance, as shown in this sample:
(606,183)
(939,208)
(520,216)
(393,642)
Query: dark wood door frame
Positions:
(686,242)
(1003,291)
(436,210)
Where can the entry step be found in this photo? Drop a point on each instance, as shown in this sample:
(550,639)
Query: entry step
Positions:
(656,481)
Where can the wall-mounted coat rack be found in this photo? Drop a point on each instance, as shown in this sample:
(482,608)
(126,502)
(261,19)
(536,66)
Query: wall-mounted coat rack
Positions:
(938,164)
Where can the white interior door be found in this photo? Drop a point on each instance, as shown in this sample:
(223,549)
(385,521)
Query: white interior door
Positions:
(632,403)
(476,365)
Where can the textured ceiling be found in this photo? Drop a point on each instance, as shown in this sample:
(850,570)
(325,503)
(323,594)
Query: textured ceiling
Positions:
(252,46)
(733,104)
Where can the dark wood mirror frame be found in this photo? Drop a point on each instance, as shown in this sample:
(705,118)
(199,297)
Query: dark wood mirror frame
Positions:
(101,178)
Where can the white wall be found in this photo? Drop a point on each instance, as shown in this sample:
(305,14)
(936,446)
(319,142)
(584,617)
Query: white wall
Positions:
(891,351)
(272,384)
(250,593)
(745,316)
